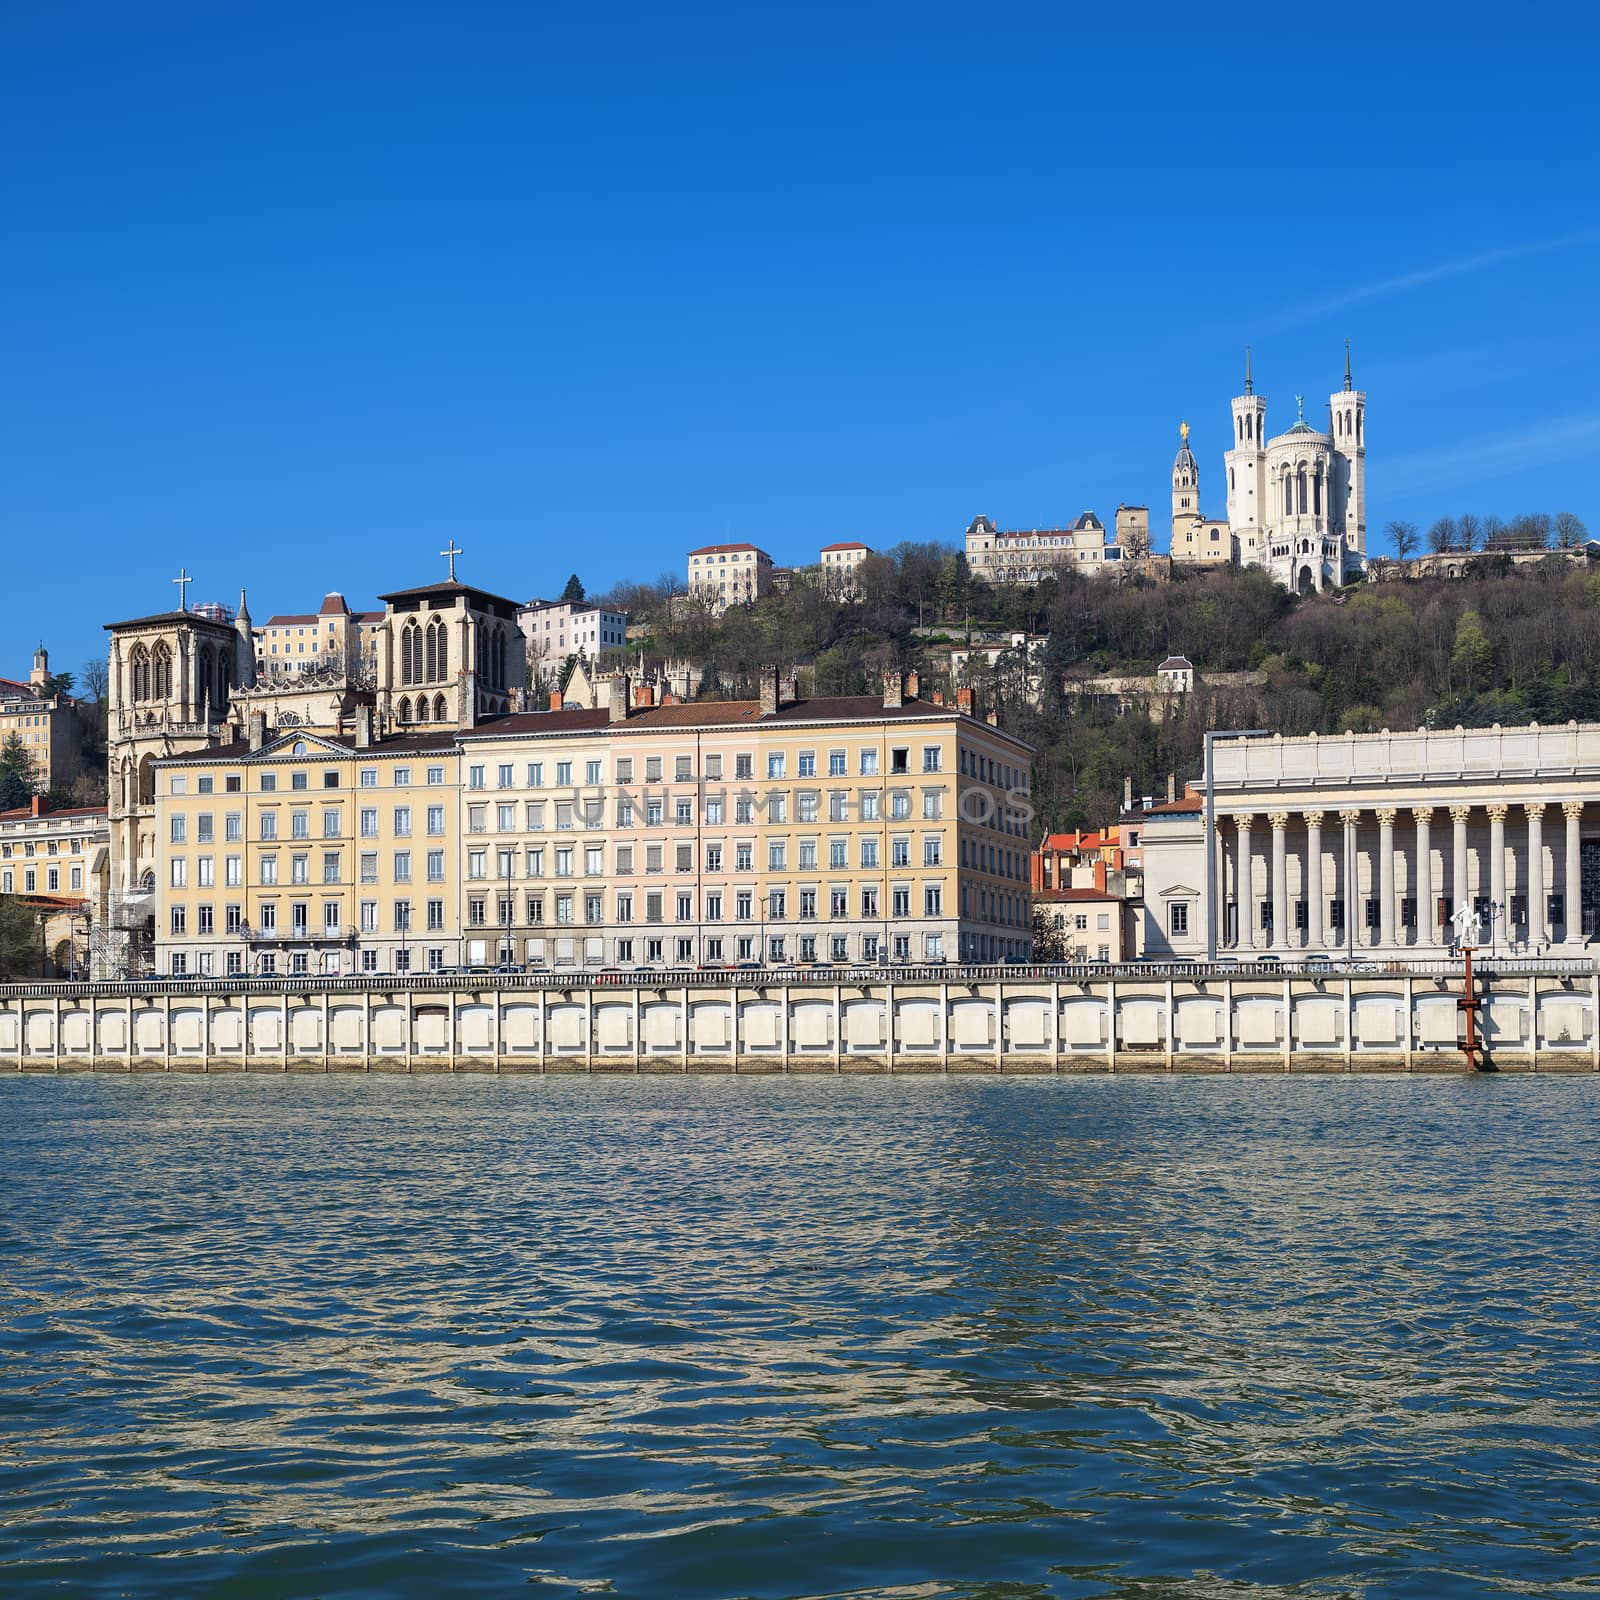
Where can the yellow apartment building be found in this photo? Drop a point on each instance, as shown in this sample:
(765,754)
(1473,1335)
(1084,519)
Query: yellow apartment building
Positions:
(309,854)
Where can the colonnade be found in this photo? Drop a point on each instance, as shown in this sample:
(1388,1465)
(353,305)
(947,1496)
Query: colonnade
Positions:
(1326,847)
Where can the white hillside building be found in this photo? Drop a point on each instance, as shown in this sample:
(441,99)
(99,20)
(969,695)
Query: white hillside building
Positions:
(1297,502)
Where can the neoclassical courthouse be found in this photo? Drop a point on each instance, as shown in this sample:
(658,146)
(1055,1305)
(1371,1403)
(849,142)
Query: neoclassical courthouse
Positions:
(1371,843)
(1297,502)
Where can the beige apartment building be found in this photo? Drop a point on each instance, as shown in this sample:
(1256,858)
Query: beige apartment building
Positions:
(45,722)
(723,575)
(852,829)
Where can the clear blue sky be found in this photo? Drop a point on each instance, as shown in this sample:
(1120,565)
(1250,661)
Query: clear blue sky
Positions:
(292,294)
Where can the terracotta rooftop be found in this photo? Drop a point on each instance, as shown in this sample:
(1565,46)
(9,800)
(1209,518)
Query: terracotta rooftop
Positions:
(719,549)
(25,813)
(1058,895)
(847,544)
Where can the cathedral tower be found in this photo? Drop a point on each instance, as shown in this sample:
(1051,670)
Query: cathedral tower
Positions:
(1347,409)
(1246,460)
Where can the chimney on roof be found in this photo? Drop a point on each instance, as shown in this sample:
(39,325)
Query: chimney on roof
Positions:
(769,691)
(964,701)
(363,727)
(257,729)
(1172,787)
(789,687)
(1127,793)
(36,807)
(555,699)
(620,690)
(893,690)
(938,697)
(642,697)
(993,719)
(913,683)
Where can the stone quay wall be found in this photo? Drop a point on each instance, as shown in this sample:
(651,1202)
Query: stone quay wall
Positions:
(1533,1016)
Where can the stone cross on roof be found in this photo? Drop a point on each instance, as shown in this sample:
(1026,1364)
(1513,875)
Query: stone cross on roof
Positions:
(450,554)
(183,580)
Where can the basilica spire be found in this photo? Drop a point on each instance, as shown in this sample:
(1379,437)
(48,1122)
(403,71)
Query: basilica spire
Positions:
(1348,386)
(1249,387)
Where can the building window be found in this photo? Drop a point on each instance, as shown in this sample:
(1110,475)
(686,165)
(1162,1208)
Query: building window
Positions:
(1178,918)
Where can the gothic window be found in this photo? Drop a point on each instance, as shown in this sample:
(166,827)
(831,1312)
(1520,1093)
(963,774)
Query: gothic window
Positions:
(441,711)
(438,652)
(1288,494)
(1316,492)
(162,675)
(410,655)
(422,708)
(1301,476)
(403,709)
(147,781)
(139,673)
(1241,430)
(202,688)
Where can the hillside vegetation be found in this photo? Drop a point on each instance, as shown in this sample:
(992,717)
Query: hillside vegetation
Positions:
(1501,644)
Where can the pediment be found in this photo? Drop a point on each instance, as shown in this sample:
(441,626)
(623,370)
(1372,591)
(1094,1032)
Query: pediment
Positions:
(298,742)
(1179,891)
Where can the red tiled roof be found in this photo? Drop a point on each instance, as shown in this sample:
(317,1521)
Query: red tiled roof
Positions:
(1184,803)
(291,621)
(333,606)
(1075,894)
(25,813)
(848,544)
(719,549)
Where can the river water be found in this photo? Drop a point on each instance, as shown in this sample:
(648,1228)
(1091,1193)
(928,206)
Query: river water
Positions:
(909,1338)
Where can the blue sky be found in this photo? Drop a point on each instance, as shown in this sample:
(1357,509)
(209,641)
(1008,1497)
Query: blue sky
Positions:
(293,294)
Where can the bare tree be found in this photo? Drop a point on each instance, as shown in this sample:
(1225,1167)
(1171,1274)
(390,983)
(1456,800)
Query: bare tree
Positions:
(96,675)
(1570,531)
(1442,536)
(1469,532)
(1404,537)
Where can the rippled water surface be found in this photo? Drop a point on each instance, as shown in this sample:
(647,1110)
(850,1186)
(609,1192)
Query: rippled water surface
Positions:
(711,1338)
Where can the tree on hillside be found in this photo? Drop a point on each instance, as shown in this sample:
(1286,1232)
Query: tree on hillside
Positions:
(96,678)
(1469,532)
(1404,537)
(572,595)
(1472,656)
(1442,536)
(1570,531)
(19,939)
(19,777)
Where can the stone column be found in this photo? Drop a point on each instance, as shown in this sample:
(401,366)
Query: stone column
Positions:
(1534,890)
(1280,880)
(1243,886)
(1386,816)
(1352,877)
(1497,866)
(1572,905)
(1423,876)
(1313,880)
(1458,855)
